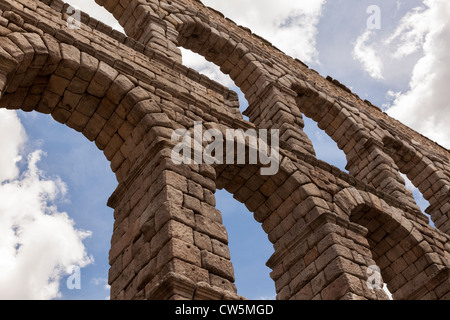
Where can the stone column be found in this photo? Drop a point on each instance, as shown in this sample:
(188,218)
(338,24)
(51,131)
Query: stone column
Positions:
(369,163)
(276,108)
(429,177)
(327,261)
(168,240)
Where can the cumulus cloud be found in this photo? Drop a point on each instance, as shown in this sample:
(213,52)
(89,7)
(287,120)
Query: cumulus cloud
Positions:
(10,147)
(421,36)
(38,244)
(368,56)
(408,37)
(101,282)
(425,106)
(289,25)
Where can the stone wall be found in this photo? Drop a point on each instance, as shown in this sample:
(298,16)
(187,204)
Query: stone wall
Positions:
(128,93)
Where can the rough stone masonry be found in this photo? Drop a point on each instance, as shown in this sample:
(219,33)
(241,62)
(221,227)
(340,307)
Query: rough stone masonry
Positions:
(128,93)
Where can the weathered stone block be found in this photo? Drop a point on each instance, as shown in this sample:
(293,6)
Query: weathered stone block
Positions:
(70,61)
(102,80)
(211,228)
(341,286)
(217,265)
(178,249)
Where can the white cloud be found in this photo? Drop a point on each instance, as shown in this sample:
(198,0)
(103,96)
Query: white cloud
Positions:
(386,290)
(410,33)
(289,25)
(422,37)
(10,146)
(38,244)
(368,56)
(272,297)
(101,282)
(425,107)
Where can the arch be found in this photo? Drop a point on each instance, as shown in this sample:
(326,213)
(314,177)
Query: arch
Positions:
(433,183)
(326,148)
(270,104)
(183,28)
(249,248)
(357,136)
(253,70)
(80,91)
(397,245)
(49,74)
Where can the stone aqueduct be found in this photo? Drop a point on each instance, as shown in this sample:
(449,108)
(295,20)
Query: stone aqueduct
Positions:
(127,93)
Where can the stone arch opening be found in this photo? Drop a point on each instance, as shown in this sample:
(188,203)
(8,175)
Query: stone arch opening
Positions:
(249,248)
(395,244)
(213,72)
(254,72)
(396,251)
(432,183)
(243,182)
(385,248)
(96,11)
(326,148)
(418,197)
(332,116)
(348,128)
(76,89)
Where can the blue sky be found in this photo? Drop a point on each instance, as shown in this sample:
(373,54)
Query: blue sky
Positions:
(401,67)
